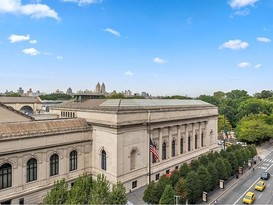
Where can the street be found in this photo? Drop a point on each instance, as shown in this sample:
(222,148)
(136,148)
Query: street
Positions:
(237,193)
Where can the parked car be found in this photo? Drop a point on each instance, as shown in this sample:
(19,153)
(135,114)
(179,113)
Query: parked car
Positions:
(249,198)
(265,176)
(260,186)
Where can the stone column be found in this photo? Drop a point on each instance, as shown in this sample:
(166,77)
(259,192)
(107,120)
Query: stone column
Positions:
(200,135)
(160,144)
(178,139)
(170,141)
(186,138)
(193,136)
(206,134)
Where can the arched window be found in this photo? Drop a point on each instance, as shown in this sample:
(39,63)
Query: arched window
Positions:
(181,146)
(202,139)
(133,160)
(5,176)
(173,148)
(103,160)
(54,165)
(164,151)
(31,170)
(73,160)
(189,143)
(195,141)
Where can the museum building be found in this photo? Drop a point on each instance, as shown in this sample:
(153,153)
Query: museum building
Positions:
(101,136)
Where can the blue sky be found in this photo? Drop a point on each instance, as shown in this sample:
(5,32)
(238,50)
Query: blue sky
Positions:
(163,47)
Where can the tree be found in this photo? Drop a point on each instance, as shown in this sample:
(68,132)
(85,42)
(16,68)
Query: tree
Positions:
(58,194)
(228,168)
(214,174)
(184,170)
(174,178)
(56,96)
(149,196)
(253,128)
(208,99)
(118,194)
(159,188)
(116,96)
(194,164)
(168,195)
(239,158)
(233,162)
(221,168)
(205,178)
(195,187)
(80,192)
(255,106)
(223,122)
(182,190)
(204,160)
(100,191)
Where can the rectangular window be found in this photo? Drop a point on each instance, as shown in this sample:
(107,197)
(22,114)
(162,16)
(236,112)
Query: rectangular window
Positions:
(134,184)
(157,177)
(21,201)
(167,171)
(176,167)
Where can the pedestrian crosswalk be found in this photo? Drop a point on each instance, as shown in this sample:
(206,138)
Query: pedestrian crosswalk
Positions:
(265,163)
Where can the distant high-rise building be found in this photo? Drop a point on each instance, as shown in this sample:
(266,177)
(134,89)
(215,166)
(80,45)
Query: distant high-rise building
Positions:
(20,91)
(97,88)
(69,91)
(103,89)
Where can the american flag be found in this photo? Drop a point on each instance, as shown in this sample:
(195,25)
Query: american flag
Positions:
(153,150)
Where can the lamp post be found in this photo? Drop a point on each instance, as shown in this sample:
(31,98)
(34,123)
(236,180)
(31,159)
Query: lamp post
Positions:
(176,197)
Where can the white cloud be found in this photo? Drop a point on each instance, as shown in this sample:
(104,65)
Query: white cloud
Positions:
(258,66)
(234,44)
(236,4)
(60,57)
(31,51)
(159,60)
(128,73)
(17,38)
(244,65)
(263,39)
(112,31)
(83,2)
(33,41)
(35,10)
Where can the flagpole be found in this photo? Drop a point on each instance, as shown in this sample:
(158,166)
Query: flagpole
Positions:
(149,140)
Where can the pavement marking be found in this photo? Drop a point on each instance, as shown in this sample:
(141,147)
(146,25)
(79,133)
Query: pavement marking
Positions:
(260,196)
(250,186)
(268,185)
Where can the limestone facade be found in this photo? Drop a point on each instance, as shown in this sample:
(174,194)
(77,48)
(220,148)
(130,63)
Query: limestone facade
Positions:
(109,137)
(122,128)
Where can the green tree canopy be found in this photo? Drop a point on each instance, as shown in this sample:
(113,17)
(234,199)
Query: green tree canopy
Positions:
(80,192)
(182,190)
(205,178)
(253,128)
(100,191)
(214,174)
(56,96)
(195,187)
(58,194)
(184,170)
(118,194)
(168,195)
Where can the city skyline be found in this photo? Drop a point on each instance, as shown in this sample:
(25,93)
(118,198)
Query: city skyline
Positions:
(171,47)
